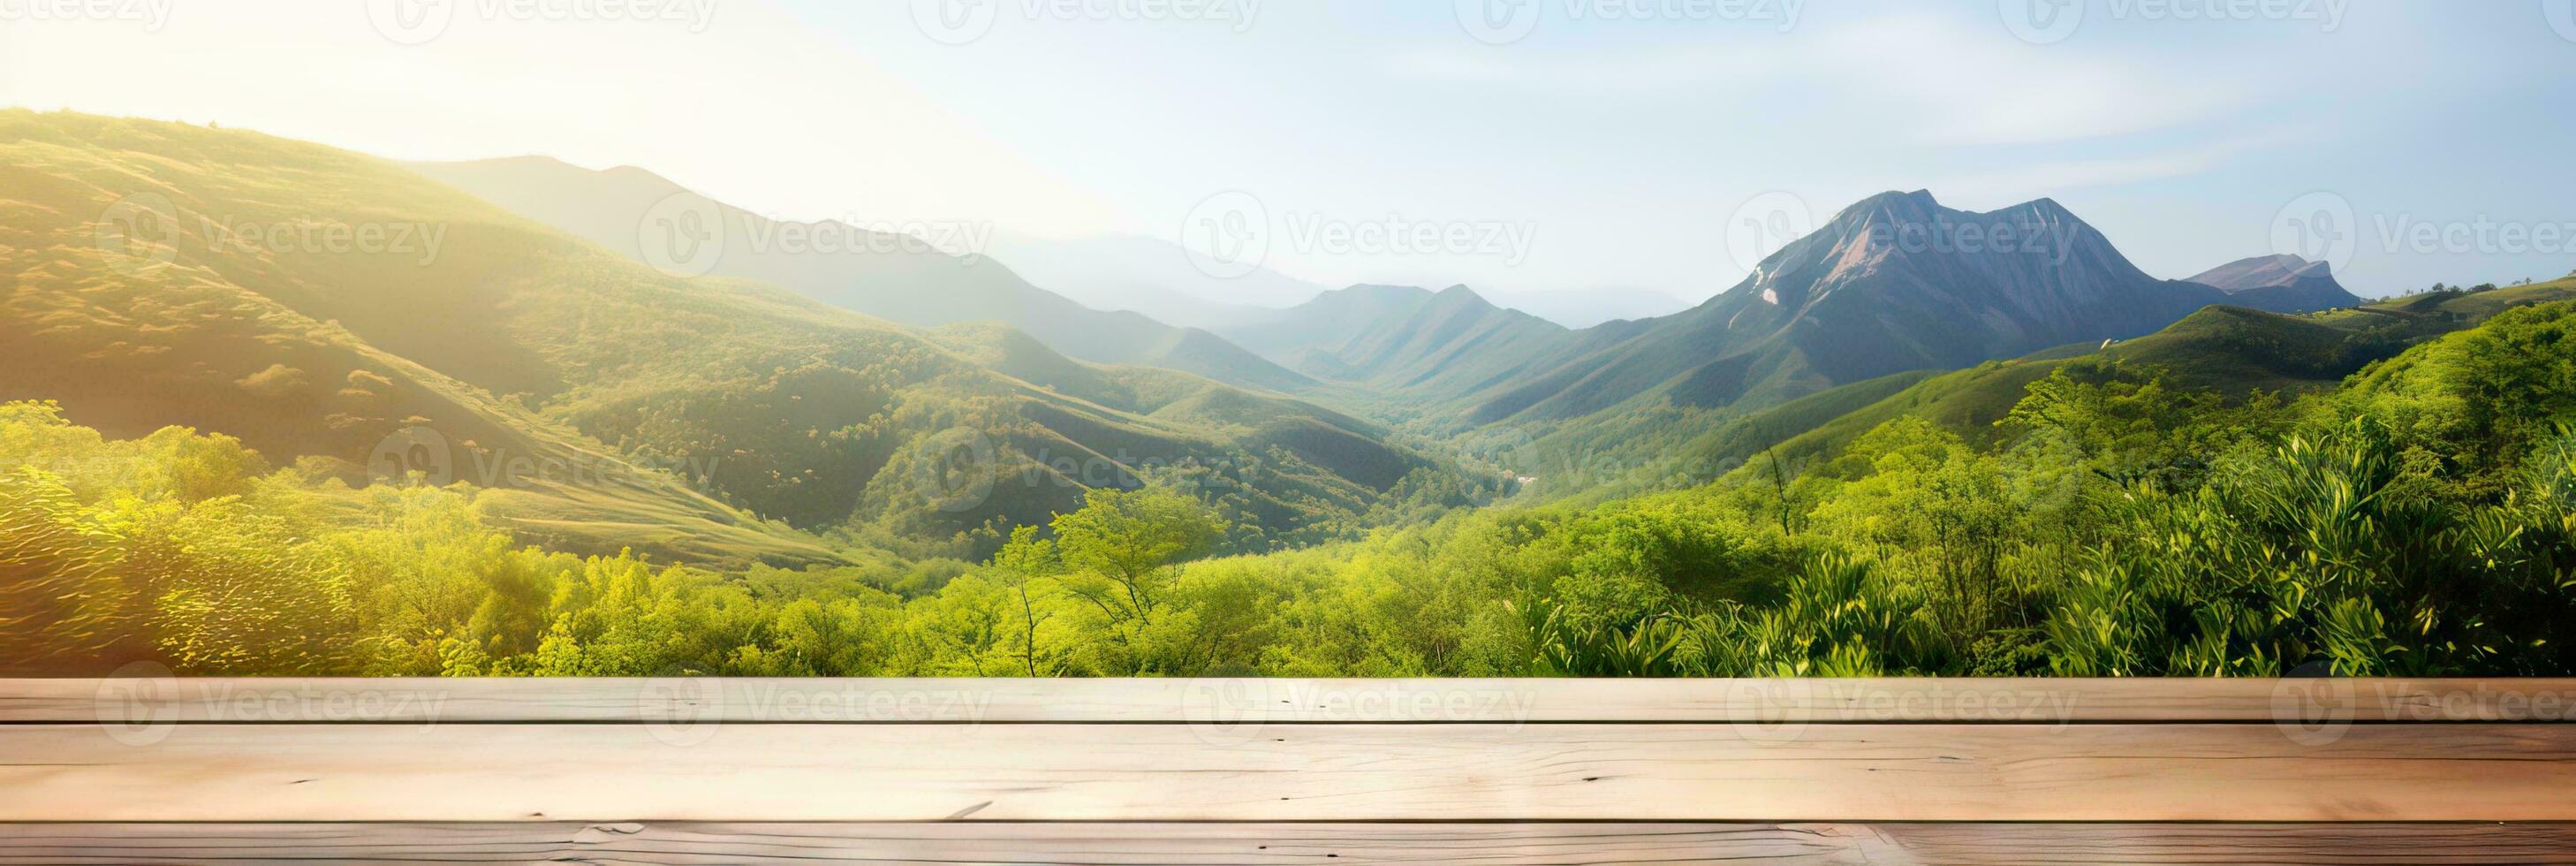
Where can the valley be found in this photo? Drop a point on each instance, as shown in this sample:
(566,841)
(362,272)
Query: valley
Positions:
(274,407)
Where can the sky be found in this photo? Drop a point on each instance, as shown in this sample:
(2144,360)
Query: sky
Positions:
(1526,146)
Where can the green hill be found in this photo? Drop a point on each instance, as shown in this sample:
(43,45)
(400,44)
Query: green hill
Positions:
(319,304)
(1655,440)
(2227,349)
(1408,340)
(2482,303)
(135,248)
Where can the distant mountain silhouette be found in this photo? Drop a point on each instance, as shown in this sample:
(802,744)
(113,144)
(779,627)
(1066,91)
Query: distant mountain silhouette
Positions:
(1896,282)
(889,276)
(1155,277)
(2282,284)
(1402,338)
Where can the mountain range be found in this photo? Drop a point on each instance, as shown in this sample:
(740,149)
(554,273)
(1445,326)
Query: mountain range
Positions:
(166,274)
(906,279)
(1157,278)
(2282,283)
(817,392)
(1894,283)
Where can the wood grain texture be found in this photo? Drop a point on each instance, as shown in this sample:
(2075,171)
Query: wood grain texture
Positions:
(1857,701)
(1038,772)
(1285,844)
(1204,771)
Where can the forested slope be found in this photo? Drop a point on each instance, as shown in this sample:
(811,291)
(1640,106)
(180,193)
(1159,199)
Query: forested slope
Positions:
(322,304)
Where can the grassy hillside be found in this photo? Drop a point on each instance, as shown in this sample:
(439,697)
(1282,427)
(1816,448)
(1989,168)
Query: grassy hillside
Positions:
(2226,349)
(1415,358)
(1185,401)
(2412,513)
(133,304)
(2485,395)
(2269,541)
(316,303)
(1449,342)
(2482,303)
(1655,441)
(1743,439)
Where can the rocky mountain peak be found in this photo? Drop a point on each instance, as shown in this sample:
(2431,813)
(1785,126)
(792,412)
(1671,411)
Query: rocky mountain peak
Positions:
(2280,283)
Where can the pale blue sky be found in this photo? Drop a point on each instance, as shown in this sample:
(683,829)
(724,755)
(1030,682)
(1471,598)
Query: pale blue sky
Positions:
(1615,140)
(1628,141)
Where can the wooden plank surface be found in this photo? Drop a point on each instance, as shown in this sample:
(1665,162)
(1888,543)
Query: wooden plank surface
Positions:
(1205,771)
(1284,844)
(1298,701)
(1372,773)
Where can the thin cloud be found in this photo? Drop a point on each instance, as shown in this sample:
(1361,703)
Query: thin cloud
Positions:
(1935,80)
(2023,182)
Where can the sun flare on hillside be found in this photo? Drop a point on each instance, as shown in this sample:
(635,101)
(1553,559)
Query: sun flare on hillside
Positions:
(417,338)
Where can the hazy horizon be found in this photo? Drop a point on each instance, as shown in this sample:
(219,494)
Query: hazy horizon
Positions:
(1649,149)
(965,338)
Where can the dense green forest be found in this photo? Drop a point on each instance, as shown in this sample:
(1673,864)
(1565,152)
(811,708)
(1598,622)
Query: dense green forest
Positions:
(268,407)
(156,282)
(2419,519)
